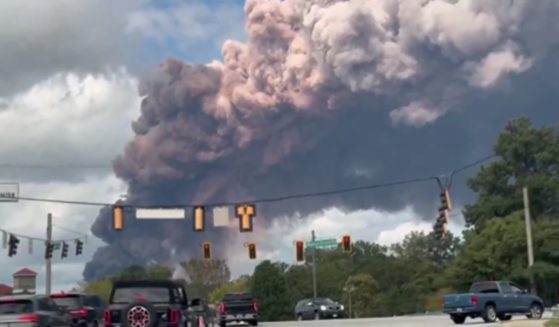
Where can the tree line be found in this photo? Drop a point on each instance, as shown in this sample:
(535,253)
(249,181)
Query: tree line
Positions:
(412,276)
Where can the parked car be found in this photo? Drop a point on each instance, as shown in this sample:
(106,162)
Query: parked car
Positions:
(318,308)
(86,309)
(32,310)
(491,300)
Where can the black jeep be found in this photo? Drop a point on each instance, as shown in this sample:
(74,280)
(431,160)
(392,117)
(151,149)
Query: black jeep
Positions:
(147,303)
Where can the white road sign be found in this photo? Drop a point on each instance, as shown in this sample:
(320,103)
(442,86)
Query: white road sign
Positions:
(145,213)
(9,192)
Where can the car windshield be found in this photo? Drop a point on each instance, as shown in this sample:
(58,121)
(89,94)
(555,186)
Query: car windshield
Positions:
(133,294)
(324,301)
(71,302)
(15,307)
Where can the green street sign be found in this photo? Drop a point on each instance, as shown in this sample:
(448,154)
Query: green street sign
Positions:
(322,244)
(56,246)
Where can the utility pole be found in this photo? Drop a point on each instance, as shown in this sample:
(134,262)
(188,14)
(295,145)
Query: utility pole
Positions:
(528,222)
(313,238)
(48,262)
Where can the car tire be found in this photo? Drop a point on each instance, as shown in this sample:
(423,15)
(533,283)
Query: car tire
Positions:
(222,324)
(536,311)
(489,313)
(253,322)
(142,310)
(458,319)
(504,317)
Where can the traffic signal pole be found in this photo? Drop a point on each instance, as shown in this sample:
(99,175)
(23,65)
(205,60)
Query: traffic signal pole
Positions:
(528,221)
(48,262)
(313,238)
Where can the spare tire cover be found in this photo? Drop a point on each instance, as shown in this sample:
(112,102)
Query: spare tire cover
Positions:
(139,314)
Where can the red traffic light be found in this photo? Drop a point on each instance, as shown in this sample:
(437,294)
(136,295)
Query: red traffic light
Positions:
(207,250)
(346,243)
(300,249)
(252,251)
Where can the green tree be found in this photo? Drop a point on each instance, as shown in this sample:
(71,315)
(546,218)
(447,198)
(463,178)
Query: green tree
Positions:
(526,156)
(364,297)
(269,287)
(205,276)
(239,285)
(498,252)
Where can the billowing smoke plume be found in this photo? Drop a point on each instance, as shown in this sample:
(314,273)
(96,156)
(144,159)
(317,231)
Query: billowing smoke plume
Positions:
(324,94)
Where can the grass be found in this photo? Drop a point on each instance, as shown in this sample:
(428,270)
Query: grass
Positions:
(552,323)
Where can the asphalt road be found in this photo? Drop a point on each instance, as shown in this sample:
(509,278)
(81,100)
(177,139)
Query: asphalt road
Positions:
(413,321)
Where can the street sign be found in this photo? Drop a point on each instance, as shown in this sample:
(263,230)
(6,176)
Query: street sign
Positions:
(56,246)
(148,213)
(9,192)
(323,244)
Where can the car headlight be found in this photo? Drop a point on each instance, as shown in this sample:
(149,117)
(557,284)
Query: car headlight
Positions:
(342,307)
(323,307)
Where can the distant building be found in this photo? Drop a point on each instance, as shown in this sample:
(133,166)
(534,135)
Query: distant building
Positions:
(5,289)
(25,281)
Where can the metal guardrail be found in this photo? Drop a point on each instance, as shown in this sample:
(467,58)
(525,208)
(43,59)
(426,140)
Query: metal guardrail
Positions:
(555,311)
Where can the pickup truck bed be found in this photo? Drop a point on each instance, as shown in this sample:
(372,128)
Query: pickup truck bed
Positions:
(238,308)
(492,300)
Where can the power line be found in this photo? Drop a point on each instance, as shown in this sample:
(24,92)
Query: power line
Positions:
(269,199)
(54,166)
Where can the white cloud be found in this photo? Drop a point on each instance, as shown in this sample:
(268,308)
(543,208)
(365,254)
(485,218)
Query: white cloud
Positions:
(69,118)
(29,218)
(39,38)
(399,232)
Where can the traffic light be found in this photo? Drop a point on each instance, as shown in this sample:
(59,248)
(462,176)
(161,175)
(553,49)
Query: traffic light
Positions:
(441,225)
(79,247)
(12,243)
(245,213)
(198,219)
(300,251)
(445,199)
(64,252)
(207,250)
(118,218)
(49,248)
(252,251)
(346,244)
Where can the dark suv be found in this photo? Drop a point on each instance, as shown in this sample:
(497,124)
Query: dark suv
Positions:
(147,303)
(86,309)
(318,308)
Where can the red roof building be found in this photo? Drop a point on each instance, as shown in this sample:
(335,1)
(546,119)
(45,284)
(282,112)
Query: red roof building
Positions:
(5,289)
(25,272)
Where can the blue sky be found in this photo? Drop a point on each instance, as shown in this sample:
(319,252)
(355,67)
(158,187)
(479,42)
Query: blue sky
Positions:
(198,36)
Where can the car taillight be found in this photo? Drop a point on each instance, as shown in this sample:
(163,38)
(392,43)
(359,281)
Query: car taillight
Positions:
(255,307)
(82,313)
(108,318)
(28,318)
(222,308)
(174,317)
(473,299)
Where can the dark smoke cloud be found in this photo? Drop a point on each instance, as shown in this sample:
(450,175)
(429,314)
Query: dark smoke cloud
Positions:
(331,94)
